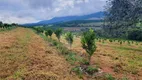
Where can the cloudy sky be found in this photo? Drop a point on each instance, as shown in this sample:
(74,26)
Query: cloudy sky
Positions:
(27,11)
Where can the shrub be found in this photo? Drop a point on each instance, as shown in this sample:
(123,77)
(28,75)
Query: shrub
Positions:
(55,43)
(136,43)
(71,57)
(88,42)
(78,71)
(69,38)
(123,41)
(91,70)
(58,33)
(109,77)
(84,62)
(49,32)
(39,30)
(120,42)
(124,78)
(110,40)
(62,49)
(135,34)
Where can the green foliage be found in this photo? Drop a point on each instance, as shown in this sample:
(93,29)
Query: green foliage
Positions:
(88,42)
(84,62)
(6,26)
(49,32)
(122,15)
(91,70)
(110,40)
(135,34)
(39,29)
(71,57)
(136,43)
(1,24)
(120,42)
(69,38)
(78,71)
(109,77)
(124,78)
(55,43)
(58,33)
(62,49)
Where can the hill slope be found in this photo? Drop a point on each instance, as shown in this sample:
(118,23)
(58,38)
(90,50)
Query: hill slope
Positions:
(94,16)
(25,55)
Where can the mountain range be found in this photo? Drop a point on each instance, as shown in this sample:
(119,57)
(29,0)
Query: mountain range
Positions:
(93,16)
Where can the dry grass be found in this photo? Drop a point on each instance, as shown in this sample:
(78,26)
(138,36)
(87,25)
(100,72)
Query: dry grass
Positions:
(25,55)
(113,58)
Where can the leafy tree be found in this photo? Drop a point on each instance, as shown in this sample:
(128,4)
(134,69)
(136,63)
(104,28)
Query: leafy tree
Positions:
(121,15)
(88,42)
(1,24)
(6,25)
(46,33)
(118,15)
(39,30)
(135,34)
(49,32)
(14,24)
(58,33)
(69,38)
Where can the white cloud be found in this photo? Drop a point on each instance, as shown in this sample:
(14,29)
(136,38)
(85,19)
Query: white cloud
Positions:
(23,11)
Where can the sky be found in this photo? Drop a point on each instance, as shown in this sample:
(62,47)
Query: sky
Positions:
(29,11)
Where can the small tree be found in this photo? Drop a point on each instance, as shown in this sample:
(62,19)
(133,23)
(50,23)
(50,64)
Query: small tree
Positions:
(69,38)
(58,33)
(39,30)
(1,24)
(88,42)
(49,32)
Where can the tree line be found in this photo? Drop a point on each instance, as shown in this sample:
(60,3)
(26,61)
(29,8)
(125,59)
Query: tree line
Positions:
(6,25)
(87,39)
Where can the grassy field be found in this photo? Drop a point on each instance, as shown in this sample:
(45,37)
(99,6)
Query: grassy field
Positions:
(123,61)
(24,55)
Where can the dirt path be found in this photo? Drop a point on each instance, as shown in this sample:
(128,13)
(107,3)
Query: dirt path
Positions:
(25,55)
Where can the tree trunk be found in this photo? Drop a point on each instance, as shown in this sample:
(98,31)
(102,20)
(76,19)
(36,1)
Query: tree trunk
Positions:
(89,60)
(70,46)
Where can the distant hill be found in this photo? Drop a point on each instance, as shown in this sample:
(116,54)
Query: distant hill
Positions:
(80,23)
(94,16)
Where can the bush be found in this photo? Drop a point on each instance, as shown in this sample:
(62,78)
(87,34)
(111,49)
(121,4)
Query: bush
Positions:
(39,29)
(69,38)
(90,70)
(109,77)
(120,42)
(135,34)
(110,40)
(62,49)
(84,62)
(78,71)
(49,32)
(71,57)
(88,42)
(58,33)
(55,43)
